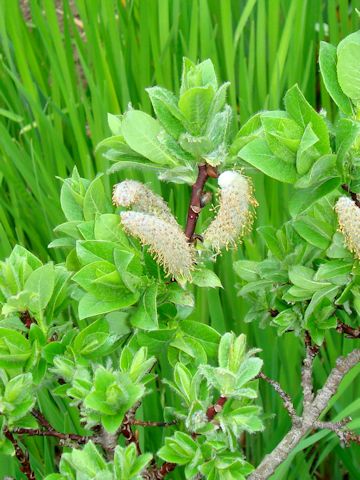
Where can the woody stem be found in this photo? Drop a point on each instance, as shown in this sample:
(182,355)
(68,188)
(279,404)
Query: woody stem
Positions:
(205,171)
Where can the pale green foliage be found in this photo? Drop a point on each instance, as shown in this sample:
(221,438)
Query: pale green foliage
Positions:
(348,69)
(197,125)
(209,451)
(89,464)
(17,398)
(104,394)
(308,279)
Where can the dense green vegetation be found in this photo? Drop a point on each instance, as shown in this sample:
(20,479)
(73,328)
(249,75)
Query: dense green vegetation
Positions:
(63,68)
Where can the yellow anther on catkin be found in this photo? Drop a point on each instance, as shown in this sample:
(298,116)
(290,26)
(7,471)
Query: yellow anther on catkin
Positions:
(234,216)
(131,193)
(167,243)
(349,221)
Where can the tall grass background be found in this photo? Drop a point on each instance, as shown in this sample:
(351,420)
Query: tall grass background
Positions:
(65,65)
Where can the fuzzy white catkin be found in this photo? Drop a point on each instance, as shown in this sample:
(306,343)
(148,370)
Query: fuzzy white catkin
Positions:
(233,216)
(167,243)
(349,221)
(131,193)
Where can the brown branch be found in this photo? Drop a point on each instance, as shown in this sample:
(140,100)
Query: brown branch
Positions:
(350,332)
(41,419)
(165,468)
(306,373)
(198,198)
(282,394)
(216,408)
(353,195)
(345,435)
(142,423)
(126,430)
(23,457)
(37,432)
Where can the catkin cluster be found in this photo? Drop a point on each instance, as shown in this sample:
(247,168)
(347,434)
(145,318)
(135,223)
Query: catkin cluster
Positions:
(131,193)
(233,216)
(152,222)
(349,221)
(166,242)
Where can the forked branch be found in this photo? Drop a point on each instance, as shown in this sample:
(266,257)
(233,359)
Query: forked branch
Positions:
(313,407)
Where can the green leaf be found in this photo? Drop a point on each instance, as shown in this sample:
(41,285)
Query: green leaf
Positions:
(65,242)
(268,233)
(282,134)
(141,164)
(146,316)
(207,336)
(179,296)
(327,62)
(303,277)
(348,66)
(186,350)
(141,133)
(313,231)
(347,131)
(302,112)
(15,349)
(196,146)
(108,227)
(94,199)
(93,250)
(285,320)
(333,269)
(258,154)
(157,340)
(93,339)
(248,370)
(197,75)
(180,449)
(114,122)
(247,270)
(89,305)
(41,284)
(323,169)
(251,130)
(307,153)
(19,252)
(218,102)
(328,293)
(72,196)
(165,106)
(91,272)
(182,378)
(195,104)
(206,278)
(304,198)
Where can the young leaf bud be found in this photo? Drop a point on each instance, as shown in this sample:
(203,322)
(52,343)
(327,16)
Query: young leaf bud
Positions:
(131,193)
(349,221)
(233,216)
(166,241)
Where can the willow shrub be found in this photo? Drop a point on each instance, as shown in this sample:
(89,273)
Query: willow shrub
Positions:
(109,327)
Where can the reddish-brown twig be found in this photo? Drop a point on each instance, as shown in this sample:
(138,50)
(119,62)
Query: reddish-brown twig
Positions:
(350,332)
(22,456)
(196,200)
